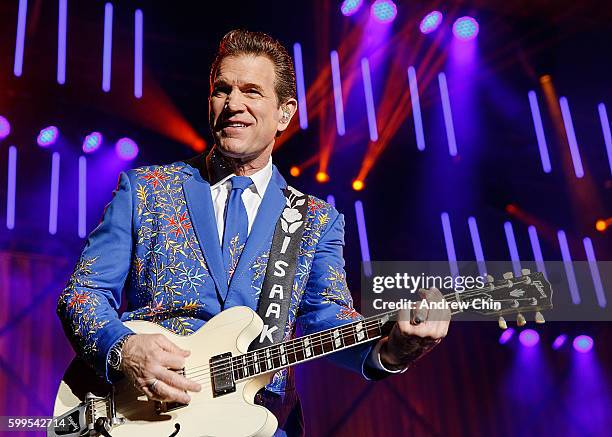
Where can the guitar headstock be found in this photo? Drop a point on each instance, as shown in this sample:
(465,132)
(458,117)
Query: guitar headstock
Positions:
(530,292)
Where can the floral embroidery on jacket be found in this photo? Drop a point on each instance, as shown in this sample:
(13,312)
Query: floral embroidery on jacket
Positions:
(74,302)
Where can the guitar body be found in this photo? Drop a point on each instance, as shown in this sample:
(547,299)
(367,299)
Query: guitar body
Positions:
(232,414)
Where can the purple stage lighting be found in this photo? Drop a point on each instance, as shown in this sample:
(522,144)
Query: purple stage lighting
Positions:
(350,7)
(5,128)
(583,343)
(506,336)
(48,136)
(559,341)
(465,28)
(383,11)
(431,22)
(92,142)
(126,149)
(529,338)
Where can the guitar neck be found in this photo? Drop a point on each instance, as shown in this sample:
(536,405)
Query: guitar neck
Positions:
(309,347)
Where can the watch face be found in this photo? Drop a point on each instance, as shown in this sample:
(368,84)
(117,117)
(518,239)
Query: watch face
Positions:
(114,359)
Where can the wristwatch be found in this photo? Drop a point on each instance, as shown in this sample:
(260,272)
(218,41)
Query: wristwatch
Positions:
(114,355)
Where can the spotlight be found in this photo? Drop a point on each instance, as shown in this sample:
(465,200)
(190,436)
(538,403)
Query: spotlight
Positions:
(5,128)
(48,136)
(465,28)
(383,11)
(506,336)
(583,343)
(357,185)
(92,142)
(322,177)
(126,149)
(529,337)
(350,7)
(511,208)
(295,171)
(600,225)
(431,22)
(559,341)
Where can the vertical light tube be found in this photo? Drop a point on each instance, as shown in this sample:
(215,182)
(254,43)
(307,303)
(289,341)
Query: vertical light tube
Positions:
(448,115)
(337,82)
(301,88)
(416,108)
(138,43)
(54,194)
(605,127)
(537,250)
(450,245)
(82,197)
(363,238)
(61,41)
(331,200)
(571,137)
(369,98)
(482,267)
(599,290)
(569,268)
(20,39)
(539,129)
(108,47)
(11,188)
(513,249)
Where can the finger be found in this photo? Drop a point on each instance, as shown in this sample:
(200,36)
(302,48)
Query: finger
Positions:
(178,381)
(419,314)
(168,346)
(163,392)
(171,360)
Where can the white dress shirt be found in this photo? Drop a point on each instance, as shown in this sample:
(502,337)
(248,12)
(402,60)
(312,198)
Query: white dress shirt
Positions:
(251,197)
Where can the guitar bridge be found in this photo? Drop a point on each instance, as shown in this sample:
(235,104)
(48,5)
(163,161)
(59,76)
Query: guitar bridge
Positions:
(222,375)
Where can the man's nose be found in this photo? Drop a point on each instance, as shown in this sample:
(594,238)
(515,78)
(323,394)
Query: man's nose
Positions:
(234,101)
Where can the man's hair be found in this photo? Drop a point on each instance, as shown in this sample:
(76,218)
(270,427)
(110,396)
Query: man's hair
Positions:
(243,42)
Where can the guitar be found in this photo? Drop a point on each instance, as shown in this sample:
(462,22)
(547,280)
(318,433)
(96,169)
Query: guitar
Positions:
(231,375)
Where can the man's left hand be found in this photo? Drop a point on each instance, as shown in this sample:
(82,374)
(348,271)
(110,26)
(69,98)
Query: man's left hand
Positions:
(416,332)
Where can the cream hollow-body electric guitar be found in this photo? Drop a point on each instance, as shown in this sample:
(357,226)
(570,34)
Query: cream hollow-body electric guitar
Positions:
(231,375)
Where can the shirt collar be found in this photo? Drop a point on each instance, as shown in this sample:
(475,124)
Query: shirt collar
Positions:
(261,178)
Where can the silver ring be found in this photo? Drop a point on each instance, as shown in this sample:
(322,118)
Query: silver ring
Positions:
(151,386)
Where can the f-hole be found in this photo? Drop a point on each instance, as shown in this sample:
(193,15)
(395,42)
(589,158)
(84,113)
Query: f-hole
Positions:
(178,428)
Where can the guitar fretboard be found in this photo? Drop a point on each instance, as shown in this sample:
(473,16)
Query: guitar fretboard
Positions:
(308,347)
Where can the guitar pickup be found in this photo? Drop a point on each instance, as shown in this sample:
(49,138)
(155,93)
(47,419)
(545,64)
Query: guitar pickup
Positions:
(221,374)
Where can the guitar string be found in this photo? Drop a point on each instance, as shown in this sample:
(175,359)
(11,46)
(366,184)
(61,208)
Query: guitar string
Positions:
(450,296)
(206,383)
(349,327)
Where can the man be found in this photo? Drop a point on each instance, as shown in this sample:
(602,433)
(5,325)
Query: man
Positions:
(169,237)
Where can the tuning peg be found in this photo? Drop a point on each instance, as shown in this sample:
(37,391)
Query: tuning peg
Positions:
(502,323)
(520,320)
(525,272)
(539,318)
(490,278)
(508,275)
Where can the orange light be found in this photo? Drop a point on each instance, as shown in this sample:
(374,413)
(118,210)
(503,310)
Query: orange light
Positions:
(357,185)
(545,78)
(601,225)
(295,171)
(199,145)
(322,177)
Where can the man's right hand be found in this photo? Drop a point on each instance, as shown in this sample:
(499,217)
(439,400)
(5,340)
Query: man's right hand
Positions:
(148,359)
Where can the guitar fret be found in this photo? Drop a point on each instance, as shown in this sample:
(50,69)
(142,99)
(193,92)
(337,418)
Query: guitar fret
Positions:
(283,355)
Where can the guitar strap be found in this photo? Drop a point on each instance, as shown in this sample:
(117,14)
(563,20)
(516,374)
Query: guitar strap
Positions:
(275,297)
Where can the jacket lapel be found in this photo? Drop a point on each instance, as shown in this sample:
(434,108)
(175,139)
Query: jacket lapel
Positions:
(269,211)
(201,211)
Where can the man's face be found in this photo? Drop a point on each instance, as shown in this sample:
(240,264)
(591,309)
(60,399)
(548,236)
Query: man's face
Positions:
(244,110)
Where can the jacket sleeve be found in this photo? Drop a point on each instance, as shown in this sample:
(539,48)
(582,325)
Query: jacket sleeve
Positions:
(327,301)
(88,305)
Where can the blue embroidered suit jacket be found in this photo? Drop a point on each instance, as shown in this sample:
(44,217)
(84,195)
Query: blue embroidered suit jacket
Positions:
(158,239)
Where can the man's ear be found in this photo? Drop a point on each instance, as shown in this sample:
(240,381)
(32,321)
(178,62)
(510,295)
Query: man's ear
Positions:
(287,110)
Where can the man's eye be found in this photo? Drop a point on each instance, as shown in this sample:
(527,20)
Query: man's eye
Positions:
(218,91)
(253,91)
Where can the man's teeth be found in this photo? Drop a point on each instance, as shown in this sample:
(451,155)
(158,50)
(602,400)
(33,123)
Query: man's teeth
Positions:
(236,125)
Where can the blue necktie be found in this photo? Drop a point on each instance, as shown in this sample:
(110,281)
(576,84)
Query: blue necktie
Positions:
(236,225)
